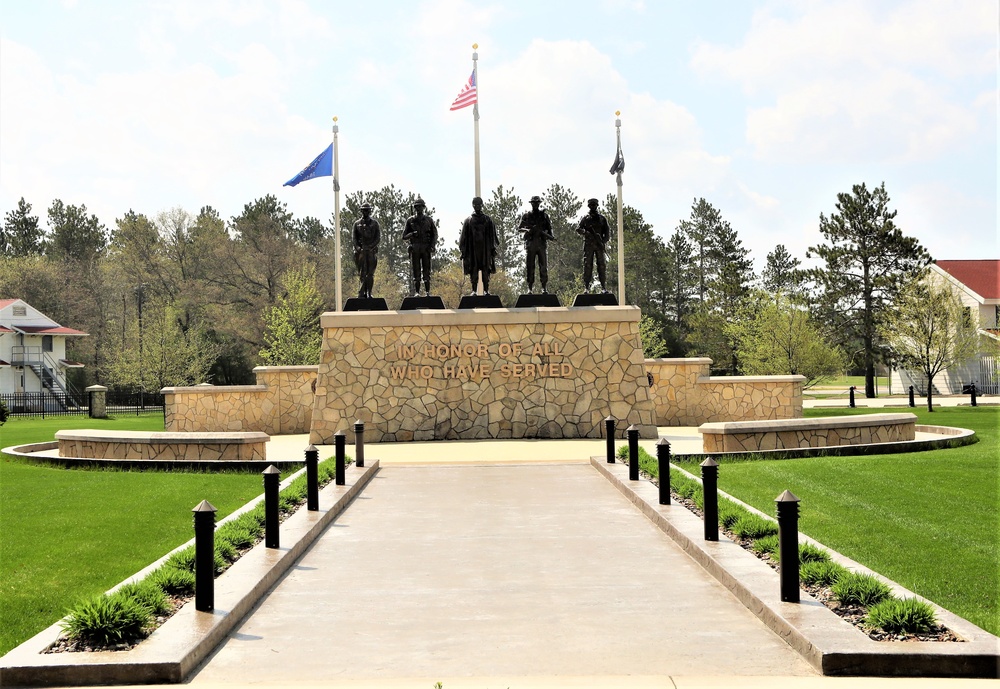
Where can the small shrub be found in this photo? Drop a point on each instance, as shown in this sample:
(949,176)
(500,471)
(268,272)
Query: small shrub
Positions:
(820,573)
(860,589)
(908,615)
(107,620)
(148,594)
(767,544)
(754,527)
(173,581)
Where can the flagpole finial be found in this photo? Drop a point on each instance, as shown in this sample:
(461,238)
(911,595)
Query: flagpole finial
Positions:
(475,46)
(617,113)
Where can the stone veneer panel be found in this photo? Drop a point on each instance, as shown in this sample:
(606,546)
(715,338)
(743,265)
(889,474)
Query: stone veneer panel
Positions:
(797,433)
(470,374)
(685,395)
(281,403)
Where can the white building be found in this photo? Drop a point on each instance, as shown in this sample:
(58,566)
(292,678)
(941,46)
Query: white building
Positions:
(977,282)
(33,361)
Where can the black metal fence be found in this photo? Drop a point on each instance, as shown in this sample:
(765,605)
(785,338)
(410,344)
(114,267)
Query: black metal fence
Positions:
(117,402)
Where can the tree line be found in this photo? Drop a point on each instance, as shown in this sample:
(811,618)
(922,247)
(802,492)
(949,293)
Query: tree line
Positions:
(179,298)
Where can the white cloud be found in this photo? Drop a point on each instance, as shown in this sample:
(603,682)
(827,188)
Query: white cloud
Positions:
(840,81)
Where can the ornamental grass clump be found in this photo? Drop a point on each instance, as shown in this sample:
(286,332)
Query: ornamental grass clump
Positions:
(811,553)
(173,581)
(860,589)
(236,534)
(729,513)
(753,527)
(909,616)
(147,593)
(820,573)
(106,620)
(767,544)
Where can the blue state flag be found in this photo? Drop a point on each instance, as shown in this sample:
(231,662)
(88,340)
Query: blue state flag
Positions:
(322,166)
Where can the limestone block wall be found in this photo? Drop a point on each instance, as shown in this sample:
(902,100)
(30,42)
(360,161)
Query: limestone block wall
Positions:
(684,394)
(281,403)
(497,373)
(796,433)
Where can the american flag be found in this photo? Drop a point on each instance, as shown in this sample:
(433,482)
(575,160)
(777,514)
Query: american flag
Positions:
(468,96)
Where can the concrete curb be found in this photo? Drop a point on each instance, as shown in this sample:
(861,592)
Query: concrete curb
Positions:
(175,649)
(830,644)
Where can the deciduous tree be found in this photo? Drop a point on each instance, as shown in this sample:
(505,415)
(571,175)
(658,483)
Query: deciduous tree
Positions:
(292,335)
(929,330)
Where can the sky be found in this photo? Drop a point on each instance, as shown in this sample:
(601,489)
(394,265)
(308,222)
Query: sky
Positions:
(767,109)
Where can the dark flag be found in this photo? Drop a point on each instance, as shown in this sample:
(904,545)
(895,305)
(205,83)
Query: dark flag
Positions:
(619,164)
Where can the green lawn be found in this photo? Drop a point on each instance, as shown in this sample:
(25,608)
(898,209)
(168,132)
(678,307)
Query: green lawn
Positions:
(928,520)
(65,534)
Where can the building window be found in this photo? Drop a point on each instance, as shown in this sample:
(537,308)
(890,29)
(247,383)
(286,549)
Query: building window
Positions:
(20,311)
(996,316)
(46,343)
(967,316)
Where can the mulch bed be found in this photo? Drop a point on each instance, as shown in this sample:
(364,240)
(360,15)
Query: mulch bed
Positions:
(855,614)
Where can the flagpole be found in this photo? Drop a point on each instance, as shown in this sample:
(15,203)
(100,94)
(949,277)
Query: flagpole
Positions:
(336,213)
(621,220)
(475,112)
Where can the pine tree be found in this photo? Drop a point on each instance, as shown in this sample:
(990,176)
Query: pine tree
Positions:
(868,260)
(21,234)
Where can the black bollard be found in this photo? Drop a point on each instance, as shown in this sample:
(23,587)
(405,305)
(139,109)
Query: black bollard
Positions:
(312,478)
(272,479)
(912,403)
(972,394)
(633,452)
(663,469)
(359,444)
(609,432)
(710,492)
(340,440)
(204,557)
(852,397)
(788,545)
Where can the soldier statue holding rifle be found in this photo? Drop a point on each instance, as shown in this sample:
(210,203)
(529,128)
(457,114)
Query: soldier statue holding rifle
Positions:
(596,233)
(537,231)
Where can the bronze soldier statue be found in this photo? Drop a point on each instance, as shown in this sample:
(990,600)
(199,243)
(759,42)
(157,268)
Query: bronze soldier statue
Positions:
(537,230)
(596,233)
(478,244)
(367,235)
(421,232)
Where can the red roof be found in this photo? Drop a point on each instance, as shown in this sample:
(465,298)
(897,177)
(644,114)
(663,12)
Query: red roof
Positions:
(5,329)
(48,330)
(7,302)
(982,277)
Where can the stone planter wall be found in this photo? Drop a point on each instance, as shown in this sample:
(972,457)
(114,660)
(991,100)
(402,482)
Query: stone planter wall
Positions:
(497,373)
(281,403)
(752,436)
(137,445)
(684,394)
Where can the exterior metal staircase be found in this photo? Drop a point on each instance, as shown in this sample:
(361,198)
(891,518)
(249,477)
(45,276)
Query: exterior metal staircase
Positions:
(44,368)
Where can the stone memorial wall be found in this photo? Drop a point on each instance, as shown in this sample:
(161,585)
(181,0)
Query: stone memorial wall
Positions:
(497,373)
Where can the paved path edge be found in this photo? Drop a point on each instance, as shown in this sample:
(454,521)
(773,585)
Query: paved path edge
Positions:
(178,647)
(826,641)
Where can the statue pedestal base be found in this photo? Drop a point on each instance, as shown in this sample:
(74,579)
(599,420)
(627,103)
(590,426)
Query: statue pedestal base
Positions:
(480,301)
(365,304)
(601,299)
(415,303)
(529,301)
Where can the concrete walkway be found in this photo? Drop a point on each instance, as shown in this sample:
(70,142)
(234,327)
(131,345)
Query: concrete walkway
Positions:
(496,571)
